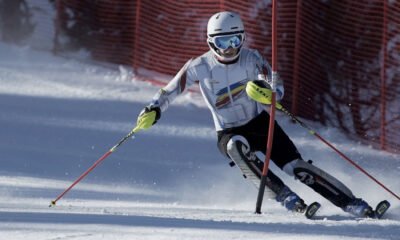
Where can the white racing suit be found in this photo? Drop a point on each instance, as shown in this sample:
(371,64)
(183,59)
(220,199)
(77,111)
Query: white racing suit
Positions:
(242,123)
(222,86)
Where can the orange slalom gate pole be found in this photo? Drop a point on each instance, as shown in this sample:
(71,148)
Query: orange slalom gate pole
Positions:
(270,139)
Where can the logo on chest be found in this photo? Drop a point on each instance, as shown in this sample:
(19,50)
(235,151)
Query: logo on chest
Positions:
(225,94)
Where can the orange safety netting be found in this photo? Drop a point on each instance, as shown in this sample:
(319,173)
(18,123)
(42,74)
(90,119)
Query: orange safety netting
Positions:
(340,60)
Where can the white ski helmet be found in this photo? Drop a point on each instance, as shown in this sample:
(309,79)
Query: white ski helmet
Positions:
(224,30)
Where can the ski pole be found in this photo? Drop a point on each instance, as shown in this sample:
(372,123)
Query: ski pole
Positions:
(129,135)
(312,132)
(270,139)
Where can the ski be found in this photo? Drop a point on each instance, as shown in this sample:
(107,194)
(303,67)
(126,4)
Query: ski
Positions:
(312,209)
(381,209)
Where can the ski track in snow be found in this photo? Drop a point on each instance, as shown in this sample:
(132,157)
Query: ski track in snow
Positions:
(170,182)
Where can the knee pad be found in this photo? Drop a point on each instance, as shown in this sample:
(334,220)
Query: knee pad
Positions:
(238,149)
(232,146)
(239,144)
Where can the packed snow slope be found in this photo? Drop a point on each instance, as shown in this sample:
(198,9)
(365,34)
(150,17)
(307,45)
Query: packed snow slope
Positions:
(58,116)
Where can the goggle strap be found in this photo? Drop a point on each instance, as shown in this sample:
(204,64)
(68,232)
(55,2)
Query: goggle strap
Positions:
(223,34)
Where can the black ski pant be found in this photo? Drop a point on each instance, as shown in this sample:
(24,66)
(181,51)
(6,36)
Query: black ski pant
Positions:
(256,133)
(283,152)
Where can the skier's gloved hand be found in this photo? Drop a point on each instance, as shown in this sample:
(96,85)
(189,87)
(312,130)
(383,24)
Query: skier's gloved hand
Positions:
(148,117)
(260,91)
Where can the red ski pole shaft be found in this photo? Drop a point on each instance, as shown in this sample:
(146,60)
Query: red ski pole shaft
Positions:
(80,178)
(53,203)
(355,165)
(270,138)
(312,132)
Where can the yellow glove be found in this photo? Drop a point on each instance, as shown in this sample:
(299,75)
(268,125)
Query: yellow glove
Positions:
(260,92)
(148,117)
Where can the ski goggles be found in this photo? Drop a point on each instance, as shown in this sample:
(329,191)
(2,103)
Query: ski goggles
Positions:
(224,42)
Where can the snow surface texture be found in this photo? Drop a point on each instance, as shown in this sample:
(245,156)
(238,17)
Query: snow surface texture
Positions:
(58,116)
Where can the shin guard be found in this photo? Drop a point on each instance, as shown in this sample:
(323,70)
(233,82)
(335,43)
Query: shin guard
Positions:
(251,166)
(320,181)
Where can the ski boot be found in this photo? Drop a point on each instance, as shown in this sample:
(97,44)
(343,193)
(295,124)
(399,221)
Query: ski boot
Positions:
(291,201)
(359,208)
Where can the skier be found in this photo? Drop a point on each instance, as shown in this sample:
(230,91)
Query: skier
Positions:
(223,74)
